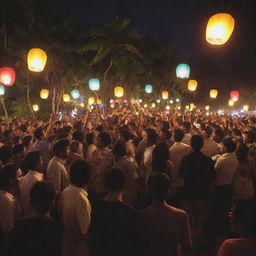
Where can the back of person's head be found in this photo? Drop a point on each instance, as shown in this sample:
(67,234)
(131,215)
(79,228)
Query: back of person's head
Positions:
(250,136)
(6,154)
(167,134)
(159,186)
(19,148)
(78,125)
(197,142)
(32,159)
(208,131)
(100,128)
(125,134)
(8,173)
(160,156)
(90,138)
(166,125)
(7,133)
(236,132)
(42,196)
(51,138)
(23,128)
(186,126)
(178,135)
(74,145)
(115,179)
(26,141)
(229,144)
(105,138)
(61,136)
(242,152)
(119,149)
(78,135)
(39,133)
(16,140)
(60,146)
(151,136)
(80,172)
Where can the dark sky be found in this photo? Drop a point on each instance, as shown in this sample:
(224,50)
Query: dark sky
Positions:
(183,22)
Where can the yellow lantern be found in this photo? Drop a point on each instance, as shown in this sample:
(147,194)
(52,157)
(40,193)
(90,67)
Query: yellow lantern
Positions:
(36,59)
(99,101)
(219,28)
(231,102)
(213,93)
(153,105)
(66,97)
(82,105)
(167,107)
(187,107)
(44,93)
(246,107)
(207,108)
(119,91)
(35,107)
(192,85)
(192,105)
(165,95)
(91,100)
(145,105)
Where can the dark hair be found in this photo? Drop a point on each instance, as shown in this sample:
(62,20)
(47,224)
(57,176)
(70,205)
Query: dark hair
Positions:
(105,138)
(119,149)
(74,146)
(38,133)
(5,154)
(51,138)
(16,140)
(151,136)
(159,186)
(207,130)
(115,179)
(237,132)
(160,156)
(32,159)
(26,141)
(19,148)
(7,133)
(60,146)
(187,126)
(7,173)
(242,152)
(89,138)
(229,144)
(250,135)
(80,172)
(79,136)
(125,134)
(166,125)
(23,127)
(61,136)
(78,125)
(166,133)
(99,128)
(197,142)
(178,134)
(42,196)
(67,129)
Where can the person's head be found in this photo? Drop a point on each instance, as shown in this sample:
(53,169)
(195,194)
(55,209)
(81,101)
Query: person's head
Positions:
(242,152)
(115,180)
(80,172)
(78,126)
(125,135)
(159,186)
(228,145)
(51,138)
(23,128)
(79,136)
(10,177)
(6,155)
(27,142)
(206,132)
(42,196)
(18,151)
(186,126)
(39,133)
(165,134)
(7,134)
(16,140)
(178,135)
(60,148)
(236,132)
(160,156)
(100,128)
(90,139)
(197,143)
(248,137)
(104,139)
(76,147)
(33,161)
(218,135)
(151,136)
(119,150)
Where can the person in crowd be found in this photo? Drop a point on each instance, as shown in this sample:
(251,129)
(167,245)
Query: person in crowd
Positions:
(27,143)
(90,146)
(18,154)
(78,136)
(76,152)
(210,147)
(126,138)
(7,138)
(186,126)
(166,137)
(6,155)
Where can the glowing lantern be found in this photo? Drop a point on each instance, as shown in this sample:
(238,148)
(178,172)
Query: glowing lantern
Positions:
(219,28)
(167,107)
(192,85)
(207,107)
(158,101)
(148,88)
(2,90)
(153,105)
(177,100)
(140,100)
(245,107)
(112,105)
(7,76)
(231,102)
(192,105)
(213,93)
(119,91)
(36,60)
(94,84)
(99,102)
(234,95)
(82,105)
(91,100)
(182,71)
(75,94)
(165,95)
(171,101)
(44,93)
(35,107)
(187,107)
(145,105)
(66,97)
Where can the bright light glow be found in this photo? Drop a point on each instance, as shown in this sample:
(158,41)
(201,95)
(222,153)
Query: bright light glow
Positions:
(91,100)
(75,94)
(207,108)
(171,101)
(7,76)
(145,105)
(213,93)
(35,107)
(158,101)
(165,95)
(187,107)
(140,100)
(182,71)
(153,105)
(192,85)
(66,97)
(231,102)
(119,91)
(148,88)
(82,105)
(2,90)
(94,84)
(177,99)
(44,93)
(246,107)
(168,107)
(36,60)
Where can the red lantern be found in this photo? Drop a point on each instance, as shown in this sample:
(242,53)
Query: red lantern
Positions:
(7,76)
(234,95)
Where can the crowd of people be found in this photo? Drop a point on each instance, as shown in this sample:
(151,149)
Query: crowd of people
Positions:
(129,183)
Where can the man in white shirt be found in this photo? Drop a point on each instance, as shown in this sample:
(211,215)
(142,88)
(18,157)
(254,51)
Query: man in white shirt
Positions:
(56,170)
(210,147)
(75,210)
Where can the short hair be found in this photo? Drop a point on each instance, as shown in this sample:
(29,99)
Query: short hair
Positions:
(115,179)
(152,136)
(23,127)
(242,152)
(61,136)
(7,173)
(166,132)
(32,159)
(229,144)
(38,133)
(7,133)
(5,154)
(105,138)
(197,142)
(119,149)
(26,141)
(78,135)
(16,140)
(80,172)
(208,130)
(89,138)
(42,196)
(19,148)
(99,128)
(187,126)
(125,134)
(74,146)
(250,135)
(60,146)
(178,134)
(159,186)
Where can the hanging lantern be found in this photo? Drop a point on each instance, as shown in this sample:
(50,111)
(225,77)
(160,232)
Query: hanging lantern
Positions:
(177,100)
(246,107)
(145,105)
(75,94)
(7,76)
(153,105)
(219,28)
(44,93)
(91,100)
(234,95)
(167,107)
(182,71)
(148,88)
(231,102)
(112,105)
(36,59)
(119,91)
(171,101)
(66,97)
(165,95)
(179,107)
(82,105)
(192,105)
(207,108)
(2,90)
(158,101)
(94,84)
(187,107)
(192,85)
(99,101)
(35,107)
(213,93)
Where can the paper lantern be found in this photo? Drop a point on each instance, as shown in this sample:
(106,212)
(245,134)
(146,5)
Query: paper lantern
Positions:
(192,105)
(167,107)
(2,90)
(66,97)
(231,102)
(140,100)
(44,93)
(219,28)
(187,107)
(82,105)
(207,107)
(192,85)
(148,88)
(153,105)
(182,71)
(94,84)
(7,76)
(75,94)
(112,105)
(36,59)
(99,102)
(177,100)
(145,105)
(234,95)
(119,91)
(171,101)
(165,95)
(246,107)
(158,101)
(213,93)
(35,107)
(91,100)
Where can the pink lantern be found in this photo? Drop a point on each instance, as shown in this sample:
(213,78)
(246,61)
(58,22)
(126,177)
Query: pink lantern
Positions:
(7,76)
(234,95)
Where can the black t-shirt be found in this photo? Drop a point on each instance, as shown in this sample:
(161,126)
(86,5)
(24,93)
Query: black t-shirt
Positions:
(198,172)
(38,236)
(115,229)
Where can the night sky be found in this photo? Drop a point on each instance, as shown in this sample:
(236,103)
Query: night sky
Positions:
(183,23)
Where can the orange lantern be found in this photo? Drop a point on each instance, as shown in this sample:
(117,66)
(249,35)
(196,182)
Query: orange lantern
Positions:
(66,97)
(119,91)
(36,59)
(213,93)
(192,85)
(234,95)
(165,95)
(44,93)
(7,76)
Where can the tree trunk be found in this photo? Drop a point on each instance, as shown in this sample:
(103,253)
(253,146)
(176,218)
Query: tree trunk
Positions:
(28,99)
(5,110)
(105,90)
(53,101)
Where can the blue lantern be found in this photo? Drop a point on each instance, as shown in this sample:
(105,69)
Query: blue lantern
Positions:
(75,94)
(101,106)
(177,99)
(94,84)
(2,90)
(148,88)
(183,71)
(171,101)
